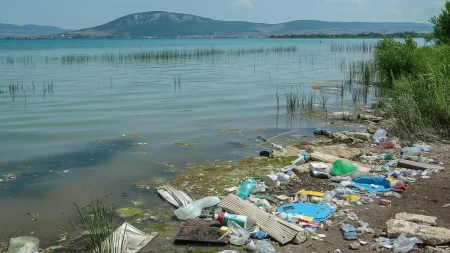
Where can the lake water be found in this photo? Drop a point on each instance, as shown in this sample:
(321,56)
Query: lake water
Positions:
(72,130)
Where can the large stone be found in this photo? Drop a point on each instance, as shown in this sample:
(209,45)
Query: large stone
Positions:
(301,237)
(301,170)
(355,246)
(417,218)
(428,234)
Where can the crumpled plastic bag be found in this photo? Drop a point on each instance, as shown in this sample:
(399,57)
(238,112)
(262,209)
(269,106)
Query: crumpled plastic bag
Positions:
(404,244)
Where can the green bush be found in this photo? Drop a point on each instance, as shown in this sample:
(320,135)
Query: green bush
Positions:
(395,59)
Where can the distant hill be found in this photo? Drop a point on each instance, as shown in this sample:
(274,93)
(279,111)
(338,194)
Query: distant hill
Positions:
(166,24)
(28,30)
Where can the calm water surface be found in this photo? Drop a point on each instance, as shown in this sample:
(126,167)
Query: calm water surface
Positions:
(101,127)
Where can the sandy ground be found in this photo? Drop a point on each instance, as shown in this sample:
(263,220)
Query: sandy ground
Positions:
(426,196)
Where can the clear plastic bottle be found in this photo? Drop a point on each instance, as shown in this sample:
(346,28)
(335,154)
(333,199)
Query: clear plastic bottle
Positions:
(379,135)
(246,188)
(411,151)
(194,209)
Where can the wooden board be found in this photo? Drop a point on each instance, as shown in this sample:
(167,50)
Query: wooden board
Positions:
(417,166)
(316,156)
(278,229)
(200,232)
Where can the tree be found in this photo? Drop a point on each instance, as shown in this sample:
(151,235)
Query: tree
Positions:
(441,23)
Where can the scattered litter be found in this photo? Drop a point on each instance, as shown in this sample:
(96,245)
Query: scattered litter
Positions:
(280,230)
(446,205)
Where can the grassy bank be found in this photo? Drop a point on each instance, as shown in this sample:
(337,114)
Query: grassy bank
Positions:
(415,83)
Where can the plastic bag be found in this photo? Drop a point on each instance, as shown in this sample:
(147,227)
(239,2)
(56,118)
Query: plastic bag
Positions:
(404,244)
(381,242)
(341,167)
(264,247)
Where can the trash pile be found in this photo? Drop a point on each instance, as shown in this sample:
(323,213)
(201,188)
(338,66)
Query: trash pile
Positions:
(250,217)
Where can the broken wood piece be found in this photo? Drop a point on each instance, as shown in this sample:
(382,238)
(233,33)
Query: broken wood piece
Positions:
(417,166)
(278,229)
(316,156)
(201,232)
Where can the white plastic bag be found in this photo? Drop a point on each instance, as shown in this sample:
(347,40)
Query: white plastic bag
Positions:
(404,244)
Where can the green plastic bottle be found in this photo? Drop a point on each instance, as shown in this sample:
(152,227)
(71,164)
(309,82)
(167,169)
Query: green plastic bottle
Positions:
(246,188)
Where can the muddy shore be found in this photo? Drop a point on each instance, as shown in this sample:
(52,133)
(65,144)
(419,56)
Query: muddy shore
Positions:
(425,196)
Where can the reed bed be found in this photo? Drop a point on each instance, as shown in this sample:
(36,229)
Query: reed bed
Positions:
(168,55)
(362,47)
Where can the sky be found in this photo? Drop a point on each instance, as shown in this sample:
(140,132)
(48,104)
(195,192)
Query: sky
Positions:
(78,14)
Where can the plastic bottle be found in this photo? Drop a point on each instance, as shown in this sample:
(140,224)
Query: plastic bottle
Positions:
(299,161)
(194,209)
(246,188)
(240,235)
(411,151)
(264,247)
(282,177)
(379,135)
(224,218)
(295,218)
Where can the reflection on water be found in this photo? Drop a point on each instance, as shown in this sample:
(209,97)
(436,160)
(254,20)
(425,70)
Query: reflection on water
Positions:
(64,106)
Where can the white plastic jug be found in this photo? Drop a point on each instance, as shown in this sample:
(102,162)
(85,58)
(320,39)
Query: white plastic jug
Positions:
(194,209)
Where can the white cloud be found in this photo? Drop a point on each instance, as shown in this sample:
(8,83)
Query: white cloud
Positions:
(433,6)
(246,3)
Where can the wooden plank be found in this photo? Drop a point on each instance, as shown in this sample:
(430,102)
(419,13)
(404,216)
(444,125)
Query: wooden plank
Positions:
(316,156)
(278,229)
(418,166)
(200,232)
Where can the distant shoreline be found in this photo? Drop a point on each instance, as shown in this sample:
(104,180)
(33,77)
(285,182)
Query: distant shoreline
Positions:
(350,36)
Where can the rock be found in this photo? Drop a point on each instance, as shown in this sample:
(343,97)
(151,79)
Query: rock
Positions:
(301,170)
(301,237)
(428,234)
(358,135)
(354,246)
(430,249)
(417,218)
(372,128)
(370,118)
